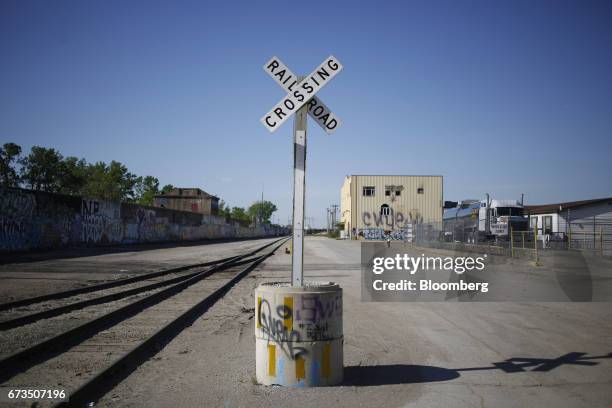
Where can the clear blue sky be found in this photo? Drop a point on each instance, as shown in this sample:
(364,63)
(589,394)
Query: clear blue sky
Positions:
(505,97)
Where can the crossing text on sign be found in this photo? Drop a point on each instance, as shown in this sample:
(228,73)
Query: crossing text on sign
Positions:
(300,93)
(287,80)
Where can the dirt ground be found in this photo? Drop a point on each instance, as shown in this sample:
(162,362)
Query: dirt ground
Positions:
(395,354)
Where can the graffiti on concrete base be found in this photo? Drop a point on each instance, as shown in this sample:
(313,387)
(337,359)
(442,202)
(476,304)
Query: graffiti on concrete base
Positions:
(272,324)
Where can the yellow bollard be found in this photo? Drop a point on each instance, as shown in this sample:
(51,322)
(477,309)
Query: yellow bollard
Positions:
(511,242)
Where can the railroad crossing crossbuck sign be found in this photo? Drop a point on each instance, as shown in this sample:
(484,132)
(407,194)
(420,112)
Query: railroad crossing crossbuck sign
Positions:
(301,101)
(300,93)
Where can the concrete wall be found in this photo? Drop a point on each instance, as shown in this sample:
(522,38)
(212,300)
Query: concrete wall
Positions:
(37,220)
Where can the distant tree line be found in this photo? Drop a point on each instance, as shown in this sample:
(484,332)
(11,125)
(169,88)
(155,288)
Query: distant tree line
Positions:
(46,169)
(258,212)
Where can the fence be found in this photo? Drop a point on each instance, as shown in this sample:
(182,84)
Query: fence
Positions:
(517,240)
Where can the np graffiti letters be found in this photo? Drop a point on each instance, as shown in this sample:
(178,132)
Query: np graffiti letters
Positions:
(100,222)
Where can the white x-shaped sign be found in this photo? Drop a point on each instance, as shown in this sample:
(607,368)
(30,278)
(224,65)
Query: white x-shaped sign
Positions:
(300,93)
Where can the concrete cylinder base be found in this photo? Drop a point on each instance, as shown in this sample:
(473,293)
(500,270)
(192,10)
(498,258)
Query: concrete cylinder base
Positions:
(298,334)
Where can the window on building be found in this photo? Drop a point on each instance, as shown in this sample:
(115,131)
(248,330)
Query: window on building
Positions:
(385,210)
(368,191)
(547,224)
(420,190)
(533,222)
(387,192)
(398,192)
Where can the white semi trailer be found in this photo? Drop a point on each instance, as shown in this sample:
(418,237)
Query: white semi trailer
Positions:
(476,221)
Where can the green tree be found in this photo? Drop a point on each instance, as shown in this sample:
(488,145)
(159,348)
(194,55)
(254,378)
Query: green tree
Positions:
(146,189)
(240,215)
(262,210)
(72,176)
(224,210)
(41,169)
(110,182)
(9,156)
(167,188)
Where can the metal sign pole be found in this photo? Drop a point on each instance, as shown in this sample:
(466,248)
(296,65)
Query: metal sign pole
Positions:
(299,186)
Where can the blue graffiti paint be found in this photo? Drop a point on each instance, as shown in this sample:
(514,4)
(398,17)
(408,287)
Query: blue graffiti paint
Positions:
(280,370)
(315,372)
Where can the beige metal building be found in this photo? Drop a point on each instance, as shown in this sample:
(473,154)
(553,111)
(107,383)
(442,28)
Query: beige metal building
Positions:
(373,205)
(188,199)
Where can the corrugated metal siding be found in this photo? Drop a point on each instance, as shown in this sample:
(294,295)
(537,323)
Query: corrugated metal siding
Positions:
(593,222)
(591,216)
(413,207)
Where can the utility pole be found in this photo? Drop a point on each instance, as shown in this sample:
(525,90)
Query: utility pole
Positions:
(333,210)
(261,206)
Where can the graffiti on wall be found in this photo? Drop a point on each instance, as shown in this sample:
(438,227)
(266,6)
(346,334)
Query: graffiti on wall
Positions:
(395,219)
(146,224)
(404,234)
(16,227)
(38,220)
(100,222)
(152,227)
(394,225)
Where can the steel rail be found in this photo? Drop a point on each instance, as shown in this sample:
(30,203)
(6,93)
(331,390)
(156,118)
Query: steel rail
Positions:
(114,283)
(60,310)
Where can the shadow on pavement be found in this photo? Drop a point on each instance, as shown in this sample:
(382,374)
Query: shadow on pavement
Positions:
(365,376)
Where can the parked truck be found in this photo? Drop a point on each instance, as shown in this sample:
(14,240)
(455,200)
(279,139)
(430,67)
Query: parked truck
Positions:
(476,221)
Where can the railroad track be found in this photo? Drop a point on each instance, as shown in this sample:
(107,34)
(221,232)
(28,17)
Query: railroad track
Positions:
(109,347)
(64,301)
